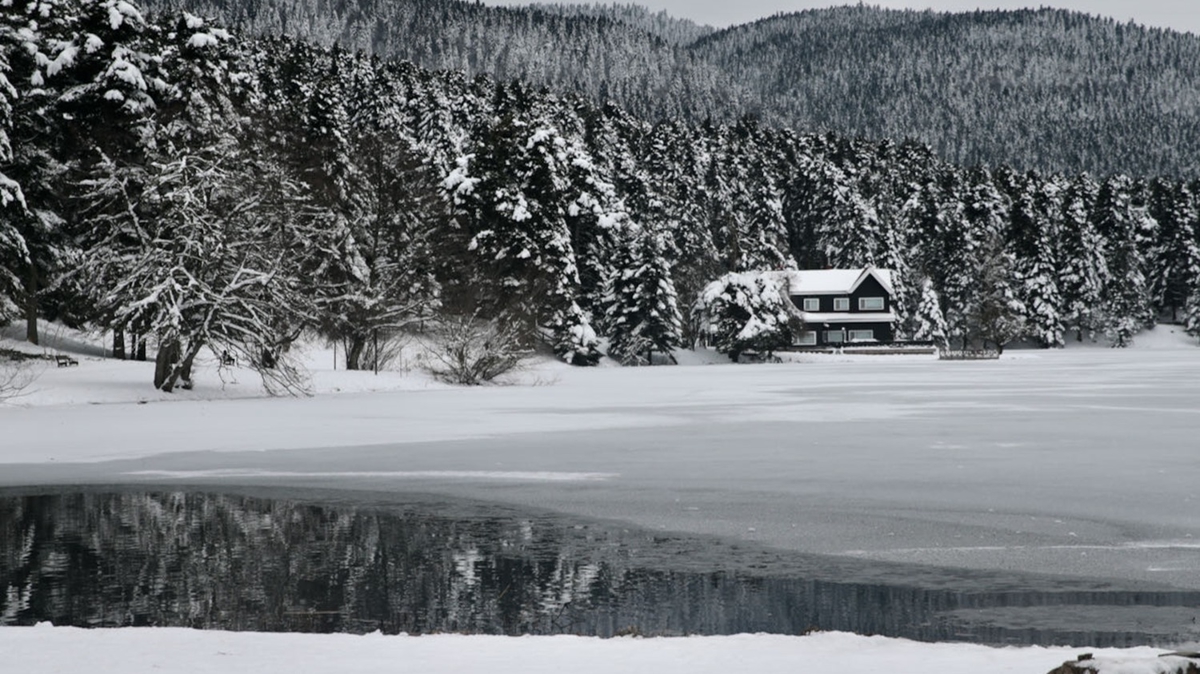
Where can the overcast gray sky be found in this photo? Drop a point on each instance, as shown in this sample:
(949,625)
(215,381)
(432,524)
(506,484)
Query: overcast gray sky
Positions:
(1182,15)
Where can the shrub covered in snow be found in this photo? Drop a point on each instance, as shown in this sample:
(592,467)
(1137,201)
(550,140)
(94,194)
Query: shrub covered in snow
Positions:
(745,311)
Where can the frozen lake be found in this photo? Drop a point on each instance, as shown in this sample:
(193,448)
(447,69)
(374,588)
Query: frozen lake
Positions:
(1074,466)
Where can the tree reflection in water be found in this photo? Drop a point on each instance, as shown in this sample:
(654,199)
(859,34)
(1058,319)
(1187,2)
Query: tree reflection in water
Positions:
(236,562)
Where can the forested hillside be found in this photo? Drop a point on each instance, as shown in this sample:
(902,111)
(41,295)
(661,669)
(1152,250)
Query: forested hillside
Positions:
(164,179)
(1048,89)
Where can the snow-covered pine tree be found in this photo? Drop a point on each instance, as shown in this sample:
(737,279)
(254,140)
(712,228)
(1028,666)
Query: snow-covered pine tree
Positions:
(595,211)
(1191,313)
(1033,233)
(996,316)
(13,251)
(30,170)
(675,201)
(1126,298)
(641,305)
(745,311)
(844,223)
(1084,271)
(757,232)
(395,214)
(11,22)
(986,211)
(928,318)
(1174,266)
(946,248)
(95,77)
(512,199)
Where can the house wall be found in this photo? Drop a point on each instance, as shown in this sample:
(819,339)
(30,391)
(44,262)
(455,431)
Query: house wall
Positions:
(883,331)
(870,287)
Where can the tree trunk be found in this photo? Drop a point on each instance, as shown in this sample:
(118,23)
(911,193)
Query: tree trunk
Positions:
(31,306)
(185,368)
(137,341)
(165,372)
(355,346)
(176,367)
(119,345)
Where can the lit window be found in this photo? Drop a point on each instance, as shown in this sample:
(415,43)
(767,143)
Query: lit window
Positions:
(870,304)
(812,303)
(806,338)
(834,336)
(841,304)
(861,335)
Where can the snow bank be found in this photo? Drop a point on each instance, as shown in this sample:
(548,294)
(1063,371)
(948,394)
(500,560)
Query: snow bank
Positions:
(49,649)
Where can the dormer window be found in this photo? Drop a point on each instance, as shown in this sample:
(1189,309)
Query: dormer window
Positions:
(812,303)
(841,304)
(870,304)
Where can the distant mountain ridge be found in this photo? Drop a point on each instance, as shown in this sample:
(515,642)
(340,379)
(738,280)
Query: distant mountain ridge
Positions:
(674,30)
(1054,90)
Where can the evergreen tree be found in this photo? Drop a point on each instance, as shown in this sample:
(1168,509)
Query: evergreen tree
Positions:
(642,307)
(745,311)
(511,194)
(1034,238)
(13,251)
(948,250)
(996,316)
(1191,313)
(1084,272)
(1174,266)
(931,324)
(1126,298)
(675,202)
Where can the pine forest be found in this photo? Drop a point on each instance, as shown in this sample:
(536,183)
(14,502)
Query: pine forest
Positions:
(166,179)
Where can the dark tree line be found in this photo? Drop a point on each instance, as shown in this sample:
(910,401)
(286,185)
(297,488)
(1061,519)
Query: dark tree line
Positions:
(164,179)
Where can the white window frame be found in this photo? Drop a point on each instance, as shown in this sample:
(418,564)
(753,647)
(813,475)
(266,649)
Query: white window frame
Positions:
(806,338)
(834,337)
(862,304)
(860,336)
(841,304)
(812,303)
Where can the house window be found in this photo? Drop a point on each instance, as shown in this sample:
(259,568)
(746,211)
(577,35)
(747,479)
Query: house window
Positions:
(841,304)
(812,303)
(861,335)
(834,336)
(806,338)
(870,304)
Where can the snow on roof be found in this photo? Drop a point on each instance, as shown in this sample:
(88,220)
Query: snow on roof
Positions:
(829,281)
(813,318)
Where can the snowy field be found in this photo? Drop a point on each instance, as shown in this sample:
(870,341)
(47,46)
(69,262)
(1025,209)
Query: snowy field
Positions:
(44,649)
(1077,463)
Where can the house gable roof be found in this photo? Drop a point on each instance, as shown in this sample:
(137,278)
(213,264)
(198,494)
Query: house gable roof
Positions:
(835,281)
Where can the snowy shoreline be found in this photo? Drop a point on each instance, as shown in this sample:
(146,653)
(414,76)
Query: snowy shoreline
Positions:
(48,649)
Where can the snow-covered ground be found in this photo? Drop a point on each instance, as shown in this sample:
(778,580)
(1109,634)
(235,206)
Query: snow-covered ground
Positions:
(1079,462)
(46,649)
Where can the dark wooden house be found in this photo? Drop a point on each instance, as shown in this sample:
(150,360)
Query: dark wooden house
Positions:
(843,306)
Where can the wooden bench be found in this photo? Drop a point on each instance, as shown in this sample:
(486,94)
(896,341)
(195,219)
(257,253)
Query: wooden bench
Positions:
(228,360)
(63,360)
